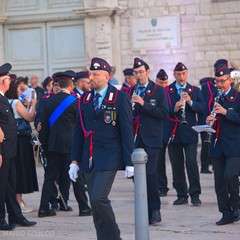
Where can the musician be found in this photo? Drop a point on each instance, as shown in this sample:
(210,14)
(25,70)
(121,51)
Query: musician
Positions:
(181,137)
(223,151)
(208,90)
(130,79)
(150,111)
(8,150)
(162,80)
(103,144)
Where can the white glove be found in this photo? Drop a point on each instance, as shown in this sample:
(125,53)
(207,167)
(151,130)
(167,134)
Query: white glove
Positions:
(129,171)
(73,171)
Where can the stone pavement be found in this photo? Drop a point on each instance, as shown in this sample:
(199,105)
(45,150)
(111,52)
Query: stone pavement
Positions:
(179,222)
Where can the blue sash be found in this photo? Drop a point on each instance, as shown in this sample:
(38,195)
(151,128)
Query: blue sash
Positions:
(60,109)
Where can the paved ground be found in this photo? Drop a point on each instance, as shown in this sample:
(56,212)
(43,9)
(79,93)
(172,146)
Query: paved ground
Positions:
(179,222)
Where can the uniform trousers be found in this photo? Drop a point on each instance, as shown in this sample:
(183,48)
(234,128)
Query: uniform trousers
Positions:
(177,159)
(56,163)
(226,172)
(8,191)
(99,185)
(204,155)
(162,175)
(79,191)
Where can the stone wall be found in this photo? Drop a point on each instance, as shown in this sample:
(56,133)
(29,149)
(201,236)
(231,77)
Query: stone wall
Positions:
(208,31)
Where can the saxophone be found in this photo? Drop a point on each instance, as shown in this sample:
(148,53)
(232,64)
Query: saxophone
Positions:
(235,75)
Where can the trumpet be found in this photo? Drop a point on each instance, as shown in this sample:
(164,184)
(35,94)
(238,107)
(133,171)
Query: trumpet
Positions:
(235,75)
(135,92)
(216,100)
(183,112)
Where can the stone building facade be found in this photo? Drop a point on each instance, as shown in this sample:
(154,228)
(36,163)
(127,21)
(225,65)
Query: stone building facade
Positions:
(44,36)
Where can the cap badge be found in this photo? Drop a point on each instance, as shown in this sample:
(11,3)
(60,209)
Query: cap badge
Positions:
(96,65)
(221,73)
(139,63)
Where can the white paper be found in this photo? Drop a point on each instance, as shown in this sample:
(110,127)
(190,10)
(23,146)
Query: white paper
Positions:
(203,128)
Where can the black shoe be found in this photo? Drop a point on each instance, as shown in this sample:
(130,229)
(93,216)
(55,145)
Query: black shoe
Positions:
(6,227)
(21,221)
(46,213)
(225,220)
(54,207)
(180,201)
(162,193)
(155,217)
(196,202)
(85,212)
(203,170)
(68,209)
(236,216)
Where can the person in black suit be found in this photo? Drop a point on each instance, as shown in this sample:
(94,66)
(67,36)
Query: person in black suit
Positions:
(185,101)
(57,120)
(103,144)
(81,82)
(149,112)
(224,148)
(208,90)
(130,79)
(8,150)
(162,80)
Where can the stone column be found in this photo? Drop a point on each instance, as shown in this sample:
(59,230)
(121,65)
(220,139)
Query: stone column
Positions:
(2,20)
(102,31)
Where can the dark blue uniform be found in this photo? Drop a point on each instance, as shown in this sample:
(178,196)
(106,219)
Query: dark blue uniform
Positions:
(183,137)
(208,90)
(150,136)
(57,142)
(103,144)
(225,154)
(8,150)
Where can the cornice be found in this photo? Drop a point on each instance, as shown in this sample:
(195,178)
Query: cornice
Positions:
(99,12)
(3,19)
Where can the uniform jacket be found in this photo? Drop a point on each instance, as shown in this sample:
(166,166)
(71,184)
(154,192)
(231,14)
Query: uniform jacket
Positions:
(208,90)
(184,132)
(8,148)
(112,139)
(229,129)
(58,138)
(152,115)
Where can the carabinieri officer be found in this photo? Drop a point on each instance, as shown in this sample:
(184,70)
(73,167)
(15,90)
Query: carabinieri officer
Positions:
(103,144)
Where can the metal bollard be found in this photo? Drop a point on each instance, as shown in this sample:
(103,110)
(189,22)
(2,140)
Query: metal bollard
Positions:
(139,159)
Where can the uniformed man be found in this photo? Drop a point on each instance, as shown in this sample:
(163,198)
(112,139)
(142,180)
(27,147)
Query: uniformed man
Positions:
(57,120)
(208,90)
(162,80)
(82,83)
(224,150)
(8,150)
(129,79)
(185,101)
(103,144)
(149,111)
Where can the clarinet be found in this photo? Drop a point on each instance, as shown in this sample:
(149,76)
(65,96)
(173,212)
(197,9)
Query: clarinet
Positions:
(183,112)
(216,100)
(135,92)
